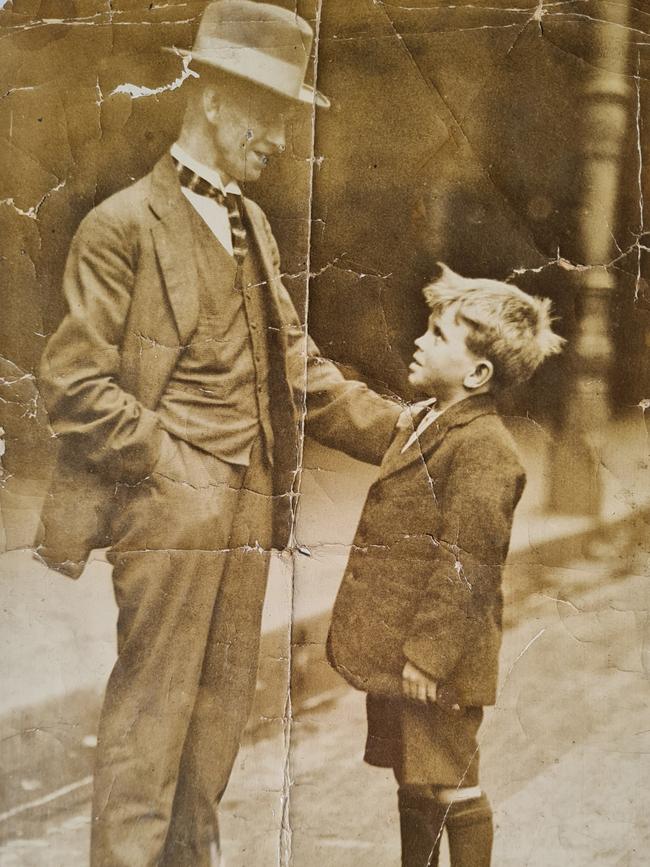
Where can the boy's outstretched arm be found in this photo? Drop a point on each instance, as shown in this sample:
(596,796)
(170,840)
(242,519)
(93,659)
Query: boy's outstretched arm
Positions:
(464,576)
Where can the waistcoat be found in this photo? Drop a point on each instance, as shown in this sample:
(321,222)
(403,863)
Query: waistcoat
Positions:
(217,398)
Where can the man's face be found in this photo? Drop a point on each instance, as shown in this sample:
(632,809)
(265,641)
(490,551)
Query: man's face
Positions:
(248,127)
(442,360)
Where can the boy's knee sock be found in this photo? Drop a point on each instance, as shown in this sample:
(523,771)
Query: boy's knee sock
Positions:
(421,821)
(469,831)
(465,813)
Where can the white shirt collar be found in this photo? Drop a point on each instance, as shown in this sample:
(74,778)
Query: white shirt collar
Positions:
(429,415)
(211,175)
(423,409)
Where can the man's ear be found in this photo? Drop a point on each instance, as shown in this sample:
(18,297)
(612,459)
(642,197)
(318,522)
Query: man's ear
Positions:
(211,104)
(480,376)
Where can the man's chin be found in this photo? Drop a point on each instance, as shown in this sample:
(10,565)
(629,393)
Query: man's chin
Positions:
(251,175)
(254,167)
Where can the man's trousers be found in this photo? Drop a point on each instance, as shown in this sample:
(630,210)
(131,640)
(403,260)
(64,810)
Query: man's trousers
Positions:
(190,562)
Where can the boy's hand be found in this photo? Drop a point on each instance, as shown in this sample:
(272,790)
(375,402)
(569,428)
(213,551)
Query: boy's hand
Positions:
(417,685)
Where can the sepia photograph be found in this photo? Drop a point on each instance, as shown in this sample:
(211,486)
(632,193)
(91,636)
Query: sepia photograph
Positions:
(324,433)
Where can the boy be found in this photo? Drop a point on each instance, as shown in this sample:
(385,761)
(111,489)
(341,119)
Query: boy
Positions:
(417,621)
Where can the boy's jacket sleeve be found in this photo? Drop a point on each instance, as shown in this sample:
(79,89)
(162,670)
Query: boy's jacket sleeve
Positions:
(480,495)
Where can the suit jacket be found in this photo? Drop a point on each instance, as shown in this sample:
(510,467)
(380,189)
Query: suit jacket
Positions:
(423,581)
(132,291)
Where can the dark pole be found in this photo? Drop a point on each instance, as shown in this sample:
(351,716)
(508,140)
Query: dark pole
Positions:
(576,485)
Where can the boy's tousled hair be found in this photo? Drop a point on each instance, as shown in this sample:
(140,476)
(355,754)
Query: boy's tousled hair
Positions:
(509,327)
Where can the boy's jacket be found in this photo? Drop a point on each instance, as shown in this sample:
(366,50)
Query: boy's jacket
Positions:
(423,582)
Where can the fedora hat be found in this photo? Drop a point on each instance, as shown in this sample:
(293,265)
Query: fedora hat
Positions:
(257,41)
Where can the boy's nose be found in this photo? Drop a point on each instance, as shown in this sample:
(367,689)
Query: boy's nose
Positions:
(418,341)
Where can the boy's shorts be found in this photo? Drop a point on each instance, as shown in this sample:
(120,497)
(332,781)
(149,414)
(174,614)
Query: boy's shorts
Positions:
(424,744)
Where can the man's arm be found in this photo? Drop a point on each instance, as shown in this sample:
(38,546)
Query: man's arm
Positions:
(340,413)
(463,576)
(81,363)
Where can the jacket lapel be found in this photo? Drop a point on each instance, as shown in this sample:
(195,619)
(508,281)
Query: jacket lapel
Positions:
(456,416)
(394,458)
(174,243)
(258,231)
(259,236)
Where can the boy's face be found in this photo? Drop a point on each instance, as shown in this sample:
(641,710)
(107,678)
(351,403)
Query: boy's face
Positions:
(442,361)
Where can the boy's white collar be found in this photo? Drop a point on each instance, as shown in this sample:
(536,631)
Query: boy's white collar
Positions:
(428,407)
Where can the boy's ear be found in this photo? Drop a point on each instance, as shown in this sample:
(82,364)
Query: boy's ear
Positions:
(450,279)
(480,376)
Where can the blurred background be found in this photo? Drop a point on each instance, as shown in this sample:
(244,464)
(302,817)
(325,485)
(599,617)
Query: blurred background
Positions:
(507,140)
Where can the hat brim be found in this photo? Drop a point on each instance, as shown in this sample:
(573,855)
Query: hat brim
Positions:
(306,94)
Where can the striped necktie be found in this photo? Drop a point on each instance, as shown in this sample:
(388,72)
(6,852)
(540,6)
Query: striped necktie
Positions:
(230,201)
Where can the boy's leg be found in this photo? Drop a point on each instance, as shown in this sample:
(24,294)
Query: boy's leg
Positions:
(466,815)
(469,826)
(438,779)
(421,819)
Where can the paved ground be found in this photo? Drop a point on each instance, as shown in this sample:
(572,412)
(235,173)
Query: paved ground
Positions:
(566,754)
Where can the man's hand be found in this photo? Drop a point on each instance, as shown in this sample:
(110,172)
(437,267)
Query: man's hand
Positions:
(417,685)
(406,419)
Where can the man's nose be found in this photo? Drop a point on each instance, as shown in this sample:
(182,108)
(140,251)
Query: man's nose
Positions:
(277,134)
(419,340)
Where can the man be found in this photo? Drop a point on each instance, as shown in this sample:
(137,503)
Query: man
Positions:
(175,385)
